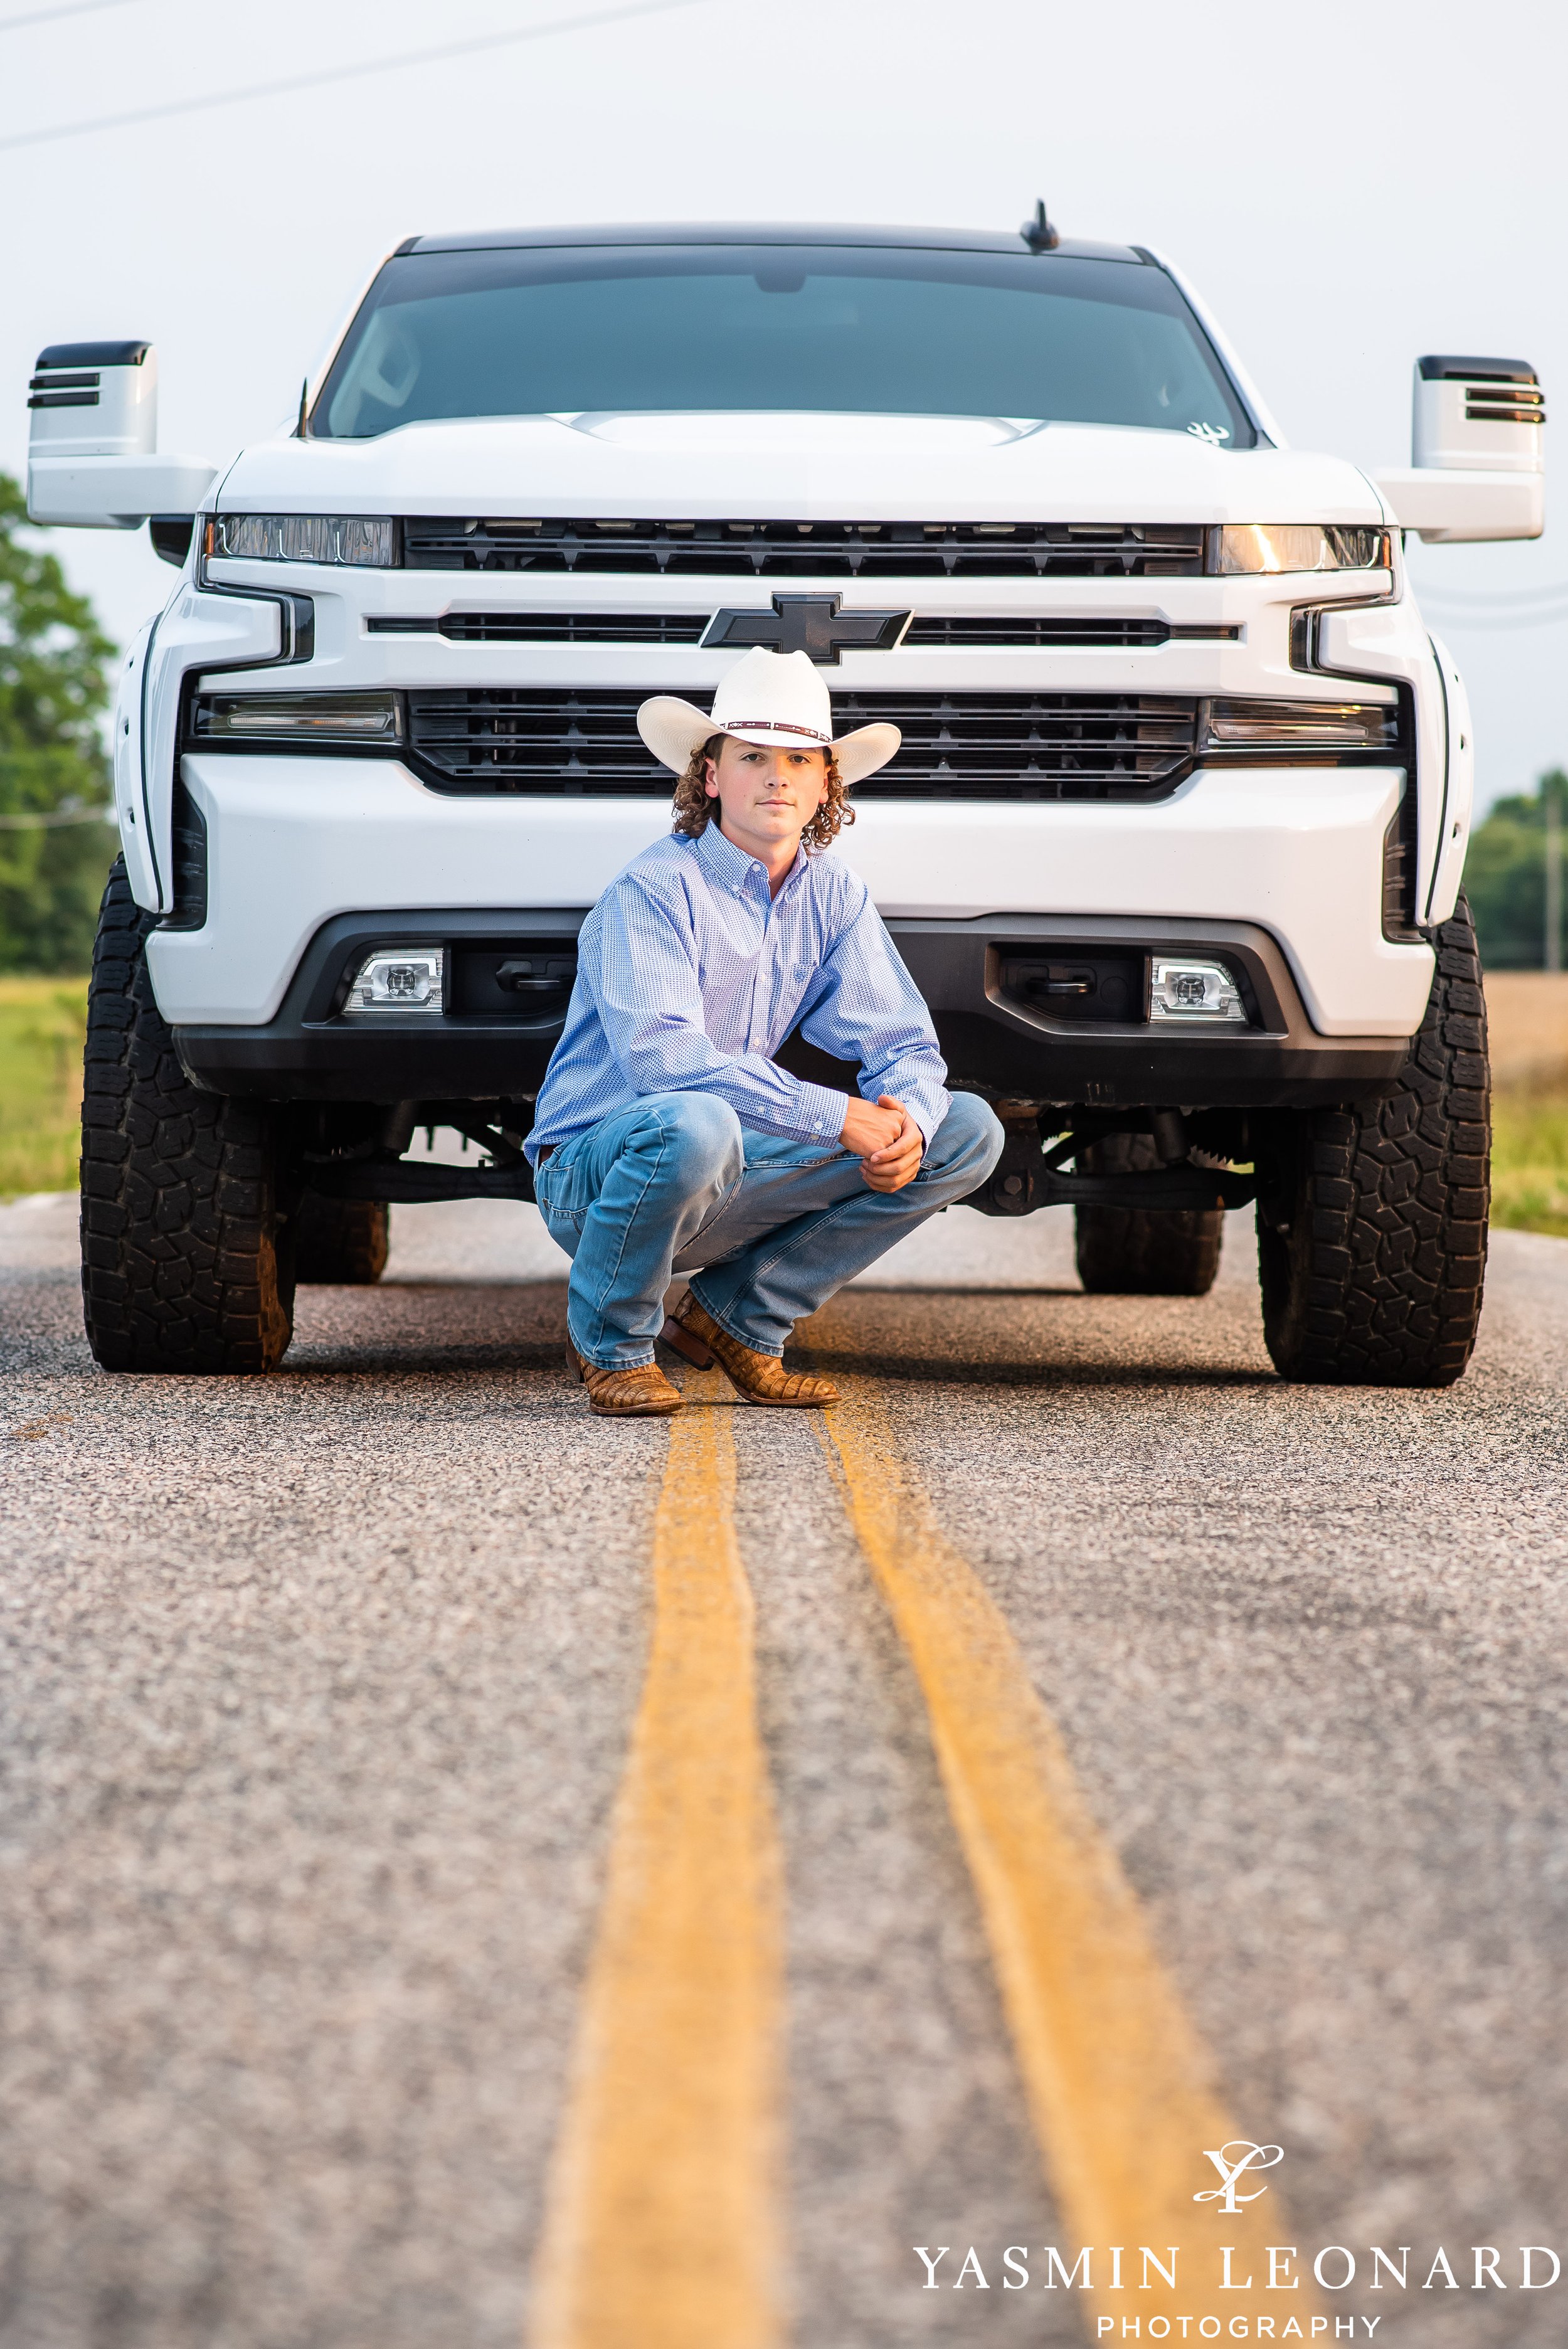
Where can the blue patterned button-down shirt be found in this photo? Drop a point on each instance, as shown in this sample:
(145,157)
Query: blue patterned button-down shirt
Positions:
(690,975)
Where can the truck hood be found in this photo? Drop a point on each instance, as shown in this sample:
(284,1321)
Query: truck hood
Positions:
(806,468)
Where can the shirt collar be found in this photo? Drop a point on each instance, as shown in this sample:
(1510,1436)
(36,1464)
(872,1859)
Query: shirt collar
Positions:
(728,868)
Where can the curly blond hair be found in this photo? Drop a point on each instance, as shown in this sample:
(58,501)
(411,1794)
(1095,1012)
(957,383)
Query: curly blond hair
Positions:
(694,811)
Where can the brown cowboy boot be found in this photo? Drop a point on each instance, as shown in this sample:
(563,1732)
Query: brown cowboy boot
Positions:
(641,1393)
(755,1378)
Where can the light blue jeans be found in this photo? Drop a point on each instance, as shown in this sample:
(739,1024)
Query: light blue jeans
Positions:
(674,1183)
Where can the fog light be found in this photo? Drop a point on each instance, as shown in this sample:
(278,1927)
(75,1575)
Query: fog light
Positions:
(399,979)
(1194,990)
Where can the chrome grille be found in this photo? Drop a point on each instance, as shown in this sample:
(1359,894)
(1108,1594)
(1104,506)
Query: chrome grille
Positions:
(1027,745)
(524,739)
(550,627)
(925,633)
(816,550)
(956,746)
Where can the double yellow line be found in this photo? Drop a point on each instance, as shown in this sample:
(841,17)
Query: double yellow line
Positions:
(662,2227)
(661,2230)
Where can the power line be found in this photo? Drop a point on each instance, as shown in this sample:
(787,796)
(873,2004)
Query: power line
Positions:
(1498,620)
(48,15)
(341,72)
(1549,604)
(1491,598)
(1547,610)
(52,821)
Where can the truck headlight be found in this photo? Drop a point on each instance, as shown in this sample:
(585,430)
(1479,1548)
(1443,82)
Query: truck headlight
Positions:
(1252,547)
(1234,723)
(298,717)
(399,979)
(367,539)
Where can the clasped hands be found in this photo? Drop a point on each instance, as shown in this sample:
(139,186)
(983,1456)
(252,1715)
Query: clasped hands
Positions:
(886,1140)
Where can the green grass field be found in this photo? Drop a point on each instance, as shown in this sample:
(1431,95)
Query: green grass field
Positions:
(42,1022)
(41,1028)
(1529,1163)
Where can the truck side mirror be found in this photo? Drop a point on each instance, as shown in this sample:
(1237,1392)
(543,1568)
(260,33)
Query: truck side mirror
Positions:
(1476,441)
(94,399)
(1478,416)
(90,455)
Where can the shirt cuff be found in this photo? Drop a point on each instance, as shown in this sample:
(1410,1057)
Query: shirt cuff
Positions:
(822,1112)
(928,1114)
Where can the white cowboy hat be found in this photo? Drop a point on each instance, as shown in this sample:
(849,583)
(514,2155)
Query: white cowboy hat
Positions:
(772,697)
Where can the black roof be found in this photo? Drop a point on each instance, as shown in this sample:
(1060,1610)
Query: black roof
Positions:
(929,240)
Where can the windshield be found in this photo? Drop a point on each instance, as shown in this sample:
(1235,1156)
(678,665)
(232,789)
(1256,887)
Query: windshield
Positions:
(873,329)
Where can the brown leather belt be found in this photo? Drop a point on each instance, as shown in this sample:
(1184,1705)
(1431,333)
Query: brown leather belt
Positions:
(546,1150)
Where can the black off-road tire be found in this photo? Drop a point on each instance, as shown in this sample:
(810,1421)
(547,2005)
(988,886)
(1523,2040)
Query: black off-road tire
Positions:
(340,1243)
(1372,1247)
(185,1264)
(1144,1251)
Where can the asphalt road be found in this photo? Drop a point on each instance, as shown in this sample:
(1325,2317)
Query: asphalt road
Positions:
(318,1691)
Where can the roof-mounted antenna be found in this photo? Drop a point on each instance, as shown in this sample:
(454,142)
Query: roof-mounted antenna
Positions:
(1037,233)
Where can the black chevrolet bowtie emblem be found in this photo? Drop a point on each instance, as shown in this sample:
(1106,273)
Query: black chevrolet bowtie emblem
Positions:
(812,624)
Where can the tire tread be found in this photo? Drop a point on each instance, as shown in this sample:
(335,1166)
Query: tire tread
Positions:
(181,1268)
(341,1242)
(1378,1279)
(1144,1251)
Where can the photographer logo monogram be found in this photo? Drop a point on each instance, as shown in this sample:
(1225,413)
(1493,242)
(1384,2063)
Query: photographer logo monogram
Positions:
(1253,2157)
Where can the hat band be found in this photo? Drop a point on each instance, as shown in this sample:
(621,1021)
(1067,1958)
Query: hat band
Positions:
(772,726)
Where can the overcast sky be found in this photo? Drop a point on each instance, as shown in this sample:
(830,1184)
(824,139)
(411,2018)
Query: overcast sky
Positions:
(1348,185)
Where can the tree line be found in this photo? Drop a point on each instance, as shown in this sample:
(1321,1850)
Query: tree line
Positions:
(1507,877)
(56,845)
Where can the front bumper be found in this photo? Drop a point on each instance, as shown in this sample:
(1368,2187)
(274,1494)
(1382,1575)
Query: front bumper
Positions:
(296,843)
(994,1038)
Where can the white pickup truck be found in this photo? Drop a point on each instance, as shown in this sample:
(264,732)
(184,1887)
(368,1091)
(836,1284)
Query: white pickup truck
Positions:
(1172,846)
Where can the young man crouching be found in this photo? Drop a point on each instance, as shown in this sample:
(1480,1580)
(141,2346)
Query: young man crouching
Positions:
(668,1138)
